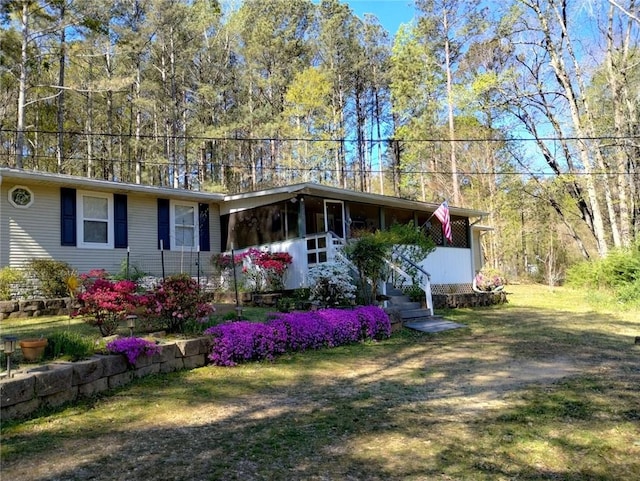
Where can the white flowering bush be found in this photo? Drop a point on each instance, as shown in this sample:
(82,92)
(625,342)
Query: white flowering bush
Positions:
(331,284)
(149,283)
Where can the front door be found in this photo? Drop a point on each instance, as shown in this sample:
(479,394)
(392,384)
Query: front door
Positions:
(334,217)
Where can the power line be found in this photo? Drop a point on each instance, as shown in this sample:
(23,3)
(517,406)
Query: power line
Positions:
(237,138)
(99,163)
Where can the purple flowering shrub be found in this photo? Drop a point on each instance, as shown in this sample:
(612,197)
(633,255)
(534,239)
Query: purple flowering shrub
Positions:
(242,341)
(133,348)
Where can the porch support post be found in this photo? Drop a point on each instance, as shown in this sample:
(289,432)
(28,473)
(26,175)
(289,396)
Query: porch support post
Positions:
(302,218)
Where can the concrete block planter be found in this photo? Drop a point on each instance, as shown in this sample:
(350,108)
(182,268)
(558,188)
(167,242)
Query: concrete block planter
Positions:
(59,383)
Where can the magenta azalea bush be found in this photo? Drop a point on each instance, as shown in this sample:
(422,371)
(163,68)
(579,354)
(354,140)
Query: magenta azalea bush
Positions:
(264,271)
(106,303)
(176,300)
(242,341)
(168,304)
(132,348)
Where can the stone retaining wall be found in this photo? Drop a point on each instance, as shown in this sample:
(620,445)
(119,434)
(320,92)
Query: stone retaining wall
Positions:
(35,308)
(473,299)
(57,383)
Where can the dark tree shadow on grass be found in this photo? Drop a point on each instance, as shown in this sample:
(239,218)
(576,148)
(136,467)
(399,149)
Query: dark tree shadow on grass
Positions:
(403,411)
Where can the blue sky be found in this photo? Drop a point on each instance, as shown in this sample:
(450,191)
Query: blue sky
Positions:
(391,13)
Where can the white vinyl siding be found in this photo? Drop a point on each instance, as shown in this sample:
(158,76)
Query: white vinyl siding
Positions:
(29,233)
(34,232)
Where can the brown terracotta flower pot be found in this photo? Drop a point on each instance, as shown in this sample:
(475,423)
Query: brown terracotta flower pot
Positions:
(33,349)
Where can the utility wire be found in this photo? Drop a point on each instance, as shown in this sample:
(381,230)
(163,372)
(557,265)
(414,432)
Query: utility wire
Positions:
(100,162)
(237,138)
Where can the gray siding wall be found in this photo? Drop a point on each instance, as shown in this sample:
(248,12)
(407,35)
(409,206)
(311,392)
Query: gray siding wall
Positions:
(4,225)
(35,232)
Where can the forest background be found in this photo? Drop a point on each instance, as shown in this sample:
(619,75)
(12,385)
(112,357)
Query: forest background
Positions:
(527,109)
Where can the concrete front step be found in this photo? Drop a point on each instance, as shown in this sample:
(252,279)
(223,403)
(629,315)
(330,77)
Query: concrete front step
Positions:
(433,325)
(393,292)
(396,299)
(407,314)
(404,306)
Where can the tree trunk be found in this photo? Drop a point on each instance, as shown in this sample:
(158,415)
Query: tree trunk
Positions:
(452,132)
(22,88)
(558,65)
(619,97)
(61,82)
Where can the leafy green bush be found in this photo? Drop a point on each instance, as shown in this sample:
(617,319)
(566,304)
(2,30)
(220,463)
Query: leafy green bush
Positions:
(8,276)
(132,273)
(52,276)
(368,252)
(414,292)
(618,272)
(69,345)
(285,304)
(629,293)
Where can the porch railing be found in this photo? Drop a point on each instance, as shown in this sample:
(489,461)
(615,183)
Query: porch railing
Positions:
(422,277)
(327,246)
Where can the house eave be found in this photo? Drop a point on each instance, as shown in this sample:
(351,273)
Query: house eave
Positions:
(233,202)
(64,180)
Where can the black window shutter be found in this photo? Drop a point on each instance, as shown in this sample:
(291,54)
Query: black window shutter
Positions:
(164,228)
(205,243)
(121,239)
(68,217)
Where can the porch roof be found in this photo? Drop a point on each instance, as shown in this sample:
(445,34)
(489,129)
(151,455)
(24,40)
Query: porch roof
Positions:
(237,202)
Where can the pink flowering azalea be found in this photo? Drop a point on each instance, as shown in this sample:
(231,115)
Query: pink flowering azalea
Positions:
(105,303)
(177,300)
(264,270)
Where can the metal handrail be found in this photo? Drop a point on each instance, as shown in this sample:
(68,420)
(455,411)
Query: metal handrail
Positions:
(424,281)
(334,251)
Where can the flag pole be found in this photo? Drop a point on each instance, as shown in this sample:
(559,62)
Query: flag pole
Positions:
(433,213)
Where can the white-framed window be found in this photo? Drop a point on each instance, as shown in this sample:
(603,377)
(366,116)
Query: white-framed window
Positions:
(183,219)
(95,220)
(20,197)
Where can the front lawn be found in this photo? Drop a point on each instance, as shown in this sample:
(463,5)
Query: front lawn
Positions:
(48,326)
(545,387)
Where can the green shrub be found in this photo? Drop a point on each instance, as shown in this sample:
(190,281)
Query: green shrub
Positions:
(583,275)
(52,276)
(193,327)
(230,316)
(414,292)
(629,293)
(133,273)
(70,346)
(285,304)
(8,276)
(618,272)
(368,252)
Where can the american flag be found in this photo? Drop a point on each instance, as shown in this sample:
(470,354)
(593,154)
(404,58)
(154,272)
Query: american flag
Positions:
(442,213)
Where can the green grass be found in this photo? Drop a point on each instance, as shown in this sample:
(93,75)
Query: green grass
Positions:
(55,326)
(47,325)
(545,387)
